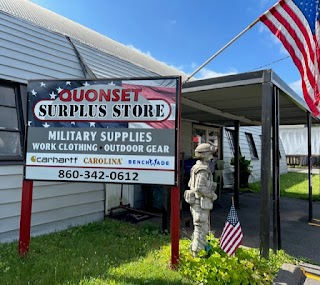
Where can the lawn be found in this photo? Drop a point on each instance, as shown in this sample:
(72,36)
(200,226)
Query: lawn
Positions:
(119,253)
(295,185)
(110,252)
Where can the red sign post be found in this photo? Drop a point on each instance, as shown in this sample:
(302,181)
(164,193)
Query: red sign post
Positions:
(25,218)
(175,225)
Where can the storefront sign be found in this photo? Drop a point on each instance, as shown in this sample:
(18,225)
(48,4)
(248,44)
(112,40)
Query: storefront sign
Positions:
(103,130)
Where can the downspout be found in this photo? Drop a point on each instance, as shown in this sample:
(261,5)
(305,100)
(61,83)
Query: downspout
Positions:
(89,74)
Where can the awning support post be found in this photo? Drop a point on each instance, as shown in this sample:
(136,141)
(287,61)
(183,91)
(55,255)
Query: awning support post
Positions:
(266,118)
(236,164)
(276,171)
(309,122)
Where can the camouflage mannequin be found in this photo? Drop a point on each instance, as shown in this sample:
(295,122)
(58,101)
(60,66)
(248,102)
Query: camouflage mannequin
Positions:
(201,196)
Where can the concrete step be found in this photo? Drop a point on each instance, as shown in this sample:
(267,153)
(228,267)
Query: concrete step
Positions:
(303,274)
(312,273)
(289,274)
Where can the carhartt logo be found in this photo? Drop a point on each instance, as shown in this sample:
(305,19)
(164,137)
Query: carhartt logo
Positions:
(53,159)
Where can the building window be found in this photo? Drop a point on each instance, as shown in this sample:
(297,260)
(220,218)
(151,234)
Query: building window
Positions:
(252,146)
(10,122)
(230,137)
(231,140)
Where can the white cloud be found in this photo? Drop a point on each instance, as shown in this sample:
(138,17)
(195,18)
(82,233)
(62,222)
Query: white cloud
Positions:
(207,73)
(138,50)
(202,74)
(278,43)
(264,4)
(296,87)
(271,39)
(267,4)
(148,53)
(262,28)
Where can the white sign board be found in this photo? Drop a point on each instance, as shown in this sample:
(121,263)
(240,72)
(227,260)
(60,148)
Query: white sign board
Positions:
(103,130)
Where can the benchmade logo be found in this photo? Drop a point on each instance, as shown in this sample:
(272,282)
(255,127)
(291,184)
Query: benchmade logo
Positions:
(149,162)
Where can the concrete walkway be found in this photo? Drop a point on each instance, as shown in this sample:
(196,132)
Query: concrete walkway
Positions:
(315,170)
(298,237)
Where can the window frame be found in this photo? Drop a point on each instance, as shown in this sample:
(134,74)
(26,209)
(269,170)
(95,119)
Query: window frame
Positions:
(207,130)
(230,134)
(252,146)
(18,90)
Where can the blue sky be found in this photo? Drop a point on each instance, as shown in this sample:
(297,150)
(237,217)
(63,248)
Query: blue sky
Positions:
(184,34)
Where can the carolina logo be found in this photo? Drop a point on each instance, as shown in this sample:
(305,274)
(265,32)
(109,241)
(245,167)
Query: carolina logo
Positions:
(108,161)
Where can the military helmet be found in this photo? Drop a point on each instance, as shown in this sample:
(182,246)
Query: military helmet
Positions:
(204,148)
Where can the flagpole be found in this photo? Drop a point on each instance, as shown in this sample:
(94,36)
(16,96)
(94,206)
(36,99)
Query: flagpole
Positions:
(222,49)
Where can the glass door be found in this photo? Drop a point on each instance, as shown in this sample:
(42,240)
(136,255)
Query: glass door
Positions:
(202,134)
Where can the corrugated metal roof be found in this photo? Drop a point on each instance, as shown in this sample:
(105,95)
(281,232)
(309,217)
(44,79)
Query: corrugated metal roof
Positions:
(40,16)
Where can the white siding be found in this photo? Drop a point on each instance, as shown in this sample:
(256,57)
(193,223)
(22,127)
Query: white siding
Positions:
(244,147)
(30,52)
(105,65)
(113,195)
(55,205)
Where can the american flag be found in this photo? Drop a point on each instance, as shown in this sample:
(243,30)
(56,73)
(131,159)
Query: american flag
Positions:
(231,236)
(296,24)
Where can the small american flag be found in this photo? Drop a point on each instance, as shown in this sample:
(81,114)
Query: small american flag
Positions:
(231,236)
(296,24)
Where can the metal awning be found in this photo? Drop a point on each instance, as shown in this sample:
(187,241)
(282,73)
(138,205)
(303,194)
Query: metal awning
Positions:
(224,100)
(258,98)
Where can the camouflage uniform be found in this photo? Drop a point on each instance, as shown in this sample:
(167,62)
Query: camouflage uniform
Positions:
(200,197)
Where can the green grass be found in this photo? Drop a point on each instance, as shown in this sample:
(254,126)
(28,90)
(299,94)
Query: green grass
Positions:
(295,185)
(118,253)
(110,252)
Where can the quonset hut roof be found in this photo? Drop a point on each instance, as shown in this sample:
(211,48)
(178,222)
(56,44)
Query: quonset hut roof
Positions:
(42,17)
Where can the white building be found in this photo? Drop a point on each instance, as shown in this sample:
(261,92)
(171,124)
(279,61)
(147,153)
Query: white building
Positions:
(38,44)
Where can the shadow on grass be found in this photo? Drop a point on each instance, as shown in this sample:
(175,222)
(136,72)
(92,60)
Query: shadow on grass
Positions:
(295,185)
(88,251)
